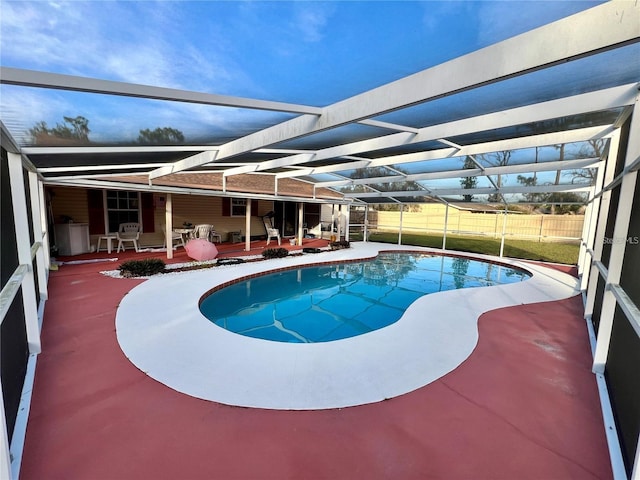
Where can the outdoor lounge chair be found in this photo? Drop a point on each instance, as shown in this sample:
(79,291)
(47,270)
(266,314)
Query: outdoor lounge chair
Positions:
(128,232)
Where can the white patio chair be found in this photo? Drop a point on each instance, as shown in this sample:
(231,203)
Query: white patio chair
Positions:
(128,232)
(204,230)
(174,236)
(273,233)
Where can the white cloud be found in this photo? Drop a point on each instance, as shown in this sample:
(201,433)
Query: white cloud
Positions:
(139,42)
(311,20)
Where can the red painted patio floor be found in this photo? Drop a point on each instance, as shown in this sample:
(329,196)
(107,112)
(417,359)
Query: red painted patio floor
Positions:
(524,405)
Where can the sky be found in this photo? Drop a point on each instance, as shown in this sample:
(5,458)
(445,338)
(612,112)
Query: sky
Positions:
(310,53)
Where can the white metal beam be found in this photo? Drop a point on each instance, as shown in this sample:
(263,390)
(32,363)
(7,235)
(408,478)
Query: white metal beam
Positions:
(616,22)
(583,103)
(473,191)
(471,172)
(32,78)
(184,164)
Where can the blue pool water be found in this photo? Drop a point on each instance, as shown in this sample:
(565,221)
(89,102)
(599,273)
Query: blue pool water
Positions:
(331,302)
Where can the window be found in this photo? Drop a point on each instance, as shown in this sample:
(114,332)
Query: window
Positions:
(122,207)
(238,207)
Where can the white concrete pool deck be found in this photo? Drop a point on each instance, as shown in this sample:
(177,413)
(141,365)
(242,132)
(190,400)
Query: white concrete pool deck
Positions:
(161,330)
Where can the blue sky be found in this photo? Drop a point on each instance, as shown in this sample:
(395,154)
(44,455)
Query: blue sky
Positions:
(312,53)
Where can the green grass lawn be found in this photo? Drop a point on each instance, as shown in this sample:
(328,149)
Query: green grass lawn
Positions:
(524,249)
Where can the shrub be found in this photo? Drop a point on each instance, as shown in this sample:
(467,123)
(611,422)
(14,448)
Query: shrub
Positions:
(142,268)
(275,252)
(339,244)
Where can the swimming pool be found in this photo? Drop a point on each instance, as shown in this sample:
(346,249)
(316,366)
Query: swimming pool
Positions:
(324,303)
(162,331)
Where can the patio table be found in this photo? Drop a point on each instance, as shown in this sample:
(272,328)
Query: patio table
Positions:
(187,233)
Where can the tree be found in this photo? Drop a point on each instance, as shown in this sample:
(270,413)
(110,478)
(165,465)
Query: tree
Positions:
(468,183)
(76,129)
(592,149)
(160,136)
(530,182)
(558,201)
(497,159)
(373,172)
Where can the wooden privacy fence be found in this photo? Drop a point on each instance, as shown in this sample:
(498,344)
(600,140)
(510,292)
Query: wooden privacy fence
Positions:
(543,228)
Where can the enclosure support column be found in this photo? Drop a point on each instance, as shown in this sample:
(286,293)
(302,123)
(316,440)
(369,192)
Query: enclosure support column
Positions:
(400,229)
(168,226)
(36,219)
(21,218)
(5,455)
(588,234)
(611,275)
(300,222)
(247,226)
(46,235)
(618,245)
(504,229)
(444,231)
(601,225)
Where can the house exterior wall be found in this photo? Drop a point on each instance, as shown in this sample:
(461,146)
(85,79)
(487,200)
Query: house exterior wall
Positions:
(70,202)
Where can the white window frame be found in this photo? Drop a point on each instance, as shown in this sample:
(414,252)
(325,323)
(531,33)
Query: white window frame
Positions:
(238,207)
(107,209)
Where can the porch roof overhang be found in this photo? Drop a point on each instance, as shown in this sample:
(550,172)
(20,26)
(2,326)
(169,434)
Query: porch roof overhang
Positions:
(527,115)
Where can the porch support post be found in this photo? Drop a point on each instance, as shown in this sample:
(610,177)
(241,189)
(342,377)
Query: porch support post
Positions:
(168,226)
(300,222)
(347,221)
(247,227)
(366,223)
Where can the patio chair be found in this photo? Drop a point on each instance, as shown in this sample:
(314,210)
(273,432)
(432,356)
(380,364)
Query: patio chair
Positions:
(174,236)
(271,232)
(206,231)
(128,232)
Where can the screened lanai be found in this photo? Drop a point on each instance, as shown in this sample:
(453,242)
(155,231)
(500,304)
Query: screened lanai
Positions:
(549,107)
